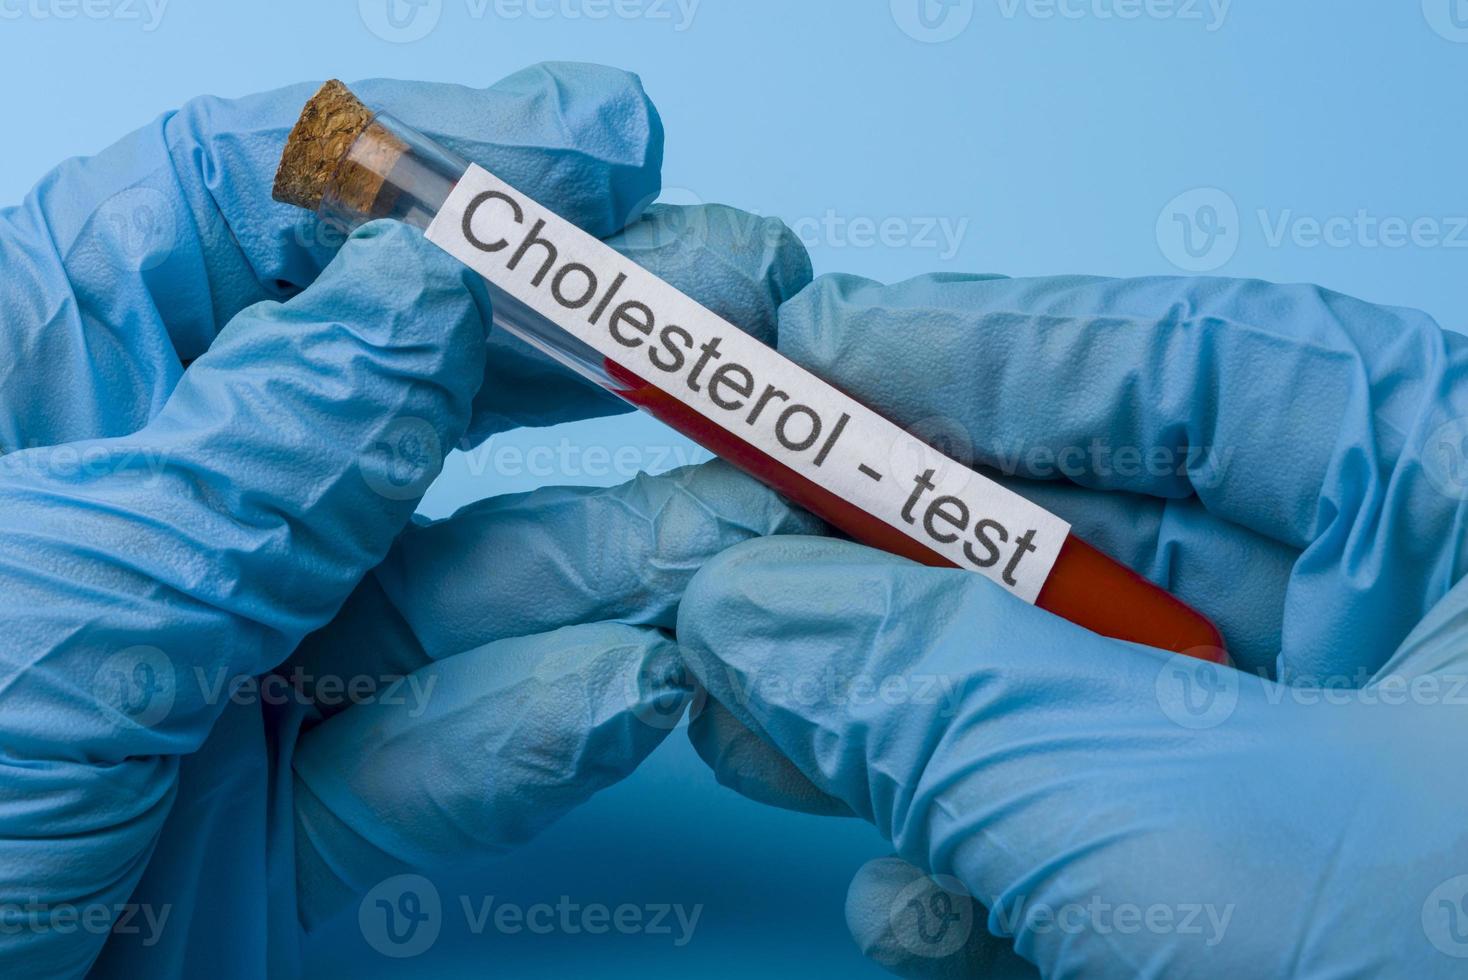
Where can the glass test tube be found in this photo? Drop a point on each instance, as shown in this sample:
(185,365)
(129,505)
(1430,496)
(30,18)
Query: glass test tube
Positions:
(353,165)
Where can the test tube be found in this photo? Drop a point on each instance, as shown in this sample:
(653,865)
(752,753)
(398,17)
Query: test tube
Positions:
(351,164)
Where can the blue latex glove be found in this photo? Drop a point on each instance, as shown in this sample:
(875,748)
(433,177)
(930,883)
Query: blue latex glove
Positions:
(164,532)
(569,680)
(1120,811)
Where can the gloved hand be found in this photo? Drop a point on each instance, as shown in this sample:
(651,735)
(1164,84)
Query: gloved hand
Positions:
(1119,811)
(166,535)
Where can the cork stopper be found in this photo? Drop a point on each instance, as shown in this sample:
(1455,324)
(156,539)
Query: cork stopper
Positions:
(315,163)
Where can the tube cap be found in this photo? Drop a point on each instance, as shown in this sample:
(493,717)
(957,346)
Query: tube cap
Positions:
(330,123)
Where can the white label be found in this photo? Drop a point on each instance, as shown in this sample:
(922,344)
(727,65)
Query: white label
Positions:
(658,333)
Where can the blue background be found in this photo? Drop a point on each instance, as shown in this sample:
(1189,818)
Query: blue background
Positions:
(1084,141)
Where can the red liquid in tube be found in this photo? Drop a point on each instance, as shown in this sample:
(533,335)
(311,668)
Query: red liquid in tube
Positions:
(1085,586)
(410,178)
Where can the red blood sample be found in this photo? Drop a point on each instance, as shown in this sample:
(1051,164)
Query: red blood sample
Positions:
(1085,586)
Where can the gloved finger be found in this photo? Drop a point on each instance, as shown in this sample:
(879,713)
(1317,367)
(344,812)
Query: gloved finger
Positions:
(737,264)
(1221,379)
(165,236)
(1328,424)
(529,563)
(1177,544)
(478,754)
(924,928)
(752,767)
(1236,577)
(853,662)
(210,541)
